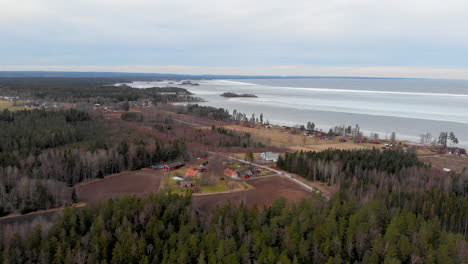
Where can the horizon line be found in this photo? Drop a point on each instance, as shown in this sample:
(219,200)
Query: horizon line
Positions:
(214,76)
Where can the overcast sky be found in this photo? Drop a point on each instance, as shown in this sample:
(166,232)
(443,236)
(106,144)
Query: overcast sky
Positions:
(399,38)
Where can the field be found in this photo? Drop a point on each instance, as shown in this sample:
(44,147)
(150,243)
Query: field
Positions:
(138,183)
(266,191)
(279,137)
(9,105)
(441,161)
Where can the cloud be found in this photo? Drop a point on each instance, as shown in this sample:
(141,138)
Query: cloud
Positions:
(279,70)
(235,33)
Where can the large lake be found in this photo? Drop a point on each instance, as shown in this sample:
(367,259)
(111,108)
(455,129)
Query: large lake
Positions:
(409,107)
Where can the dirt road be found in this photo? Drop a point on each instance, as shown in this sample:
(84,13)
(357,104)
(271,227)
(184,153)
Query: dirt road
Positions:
(289,176)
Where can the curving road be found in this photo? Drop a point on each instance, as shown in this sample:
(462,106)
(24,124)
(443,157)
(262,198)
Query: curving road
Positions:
(289,176)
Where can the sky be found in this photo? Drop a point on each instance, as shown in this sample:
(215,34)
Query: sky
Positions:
(376,38)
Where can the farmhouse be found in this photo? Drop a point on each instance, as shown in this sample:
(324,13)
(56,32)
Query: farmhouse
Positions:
(244,174)
(173,166)
(201,168)
(191,173)
(186,183)
(270,156)
(230,173)
(457,151)
(254,170)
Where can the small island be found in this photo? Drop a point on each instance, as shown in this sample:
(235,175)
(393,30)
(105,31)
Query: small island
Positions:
(229,94)
(189,83)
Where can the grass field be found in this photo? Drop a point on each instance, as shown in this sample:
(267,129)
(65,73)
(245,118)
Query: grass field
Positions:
(137,183)
(264,192)
(9,105)
(441,161)
(219,186)
(279,137)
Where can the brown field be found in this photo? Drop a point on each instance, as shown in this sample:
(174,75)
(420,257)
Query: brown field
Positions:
(279,137)
(154,113)
(9,105)
(137,183)
(441,161)
(266,191)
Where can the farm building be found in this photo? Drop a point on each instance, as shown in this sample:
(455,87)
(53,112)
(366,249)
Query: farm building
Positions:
(191,173)
(244,174)
(457,151)
(173,166)
(254,170)
(186,183)
(230,173)
(270,156)
(201,168)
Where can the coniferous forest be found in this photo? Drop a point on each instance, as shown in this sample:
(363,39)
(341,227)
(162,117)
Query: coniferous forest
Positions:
(162,228)
(388,208)
(44,153)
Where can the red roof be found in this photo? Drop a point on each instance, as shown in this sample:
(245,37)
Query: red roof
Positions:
(191,173)
(229,172)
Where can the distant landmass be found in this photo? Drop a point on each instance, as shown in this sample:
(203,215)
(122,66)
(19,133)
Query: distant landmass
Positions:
(160,76)
(228,94)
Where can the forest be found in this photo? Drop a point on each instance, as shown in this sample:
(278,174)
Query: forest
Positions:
(163,228)
(43,153)
(85,89)
(396,177)
(390,207)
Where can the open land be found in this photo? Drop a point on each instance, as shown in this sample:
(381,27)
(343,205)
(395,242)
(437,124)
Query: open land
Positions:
(9,105)
(279,137)
(137,183)
(266,191)
(259,191)
(453,162)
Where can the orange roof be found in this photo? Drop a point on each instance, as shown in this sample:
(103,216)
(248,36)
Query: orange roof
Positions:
(228,171)
(191,173)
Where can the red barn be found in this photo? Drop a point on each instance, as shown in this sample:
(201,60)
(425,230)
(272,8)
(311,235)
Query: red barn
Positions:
(173,166)
(190,173)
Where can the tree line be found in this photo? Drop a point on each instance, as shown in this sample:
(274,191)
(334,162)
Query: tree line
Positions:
(94,90)
(165,228)
(396,177)
(45,153)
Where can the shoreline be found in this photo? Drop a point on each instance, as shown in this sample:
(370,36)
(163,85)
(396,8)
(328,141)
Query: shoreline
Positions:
(383,121)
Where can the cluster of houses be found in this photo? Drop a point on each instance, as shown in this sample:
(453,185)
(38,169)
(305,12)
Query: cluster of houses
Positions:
(9,98)
(456,151)
(188,180)
(245,173)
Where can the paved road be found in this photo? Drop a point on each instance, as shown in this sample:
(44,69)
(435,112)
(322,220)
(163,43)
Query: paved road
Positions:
(289,176)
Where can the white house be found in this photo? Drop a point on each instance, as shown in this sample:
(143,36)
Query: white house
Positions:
(270,156)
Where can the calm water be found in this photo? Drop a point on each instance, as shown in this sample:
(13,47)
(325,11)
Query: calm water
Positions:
(407,106)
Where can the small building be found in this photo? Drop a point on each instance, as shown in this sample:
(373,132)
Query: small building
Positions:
(244,174)
(460,151)
(173,166)
(270,156)
(177,178)
(187,183)
(201,168)
(254,170)
(191,173)
(230,173)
